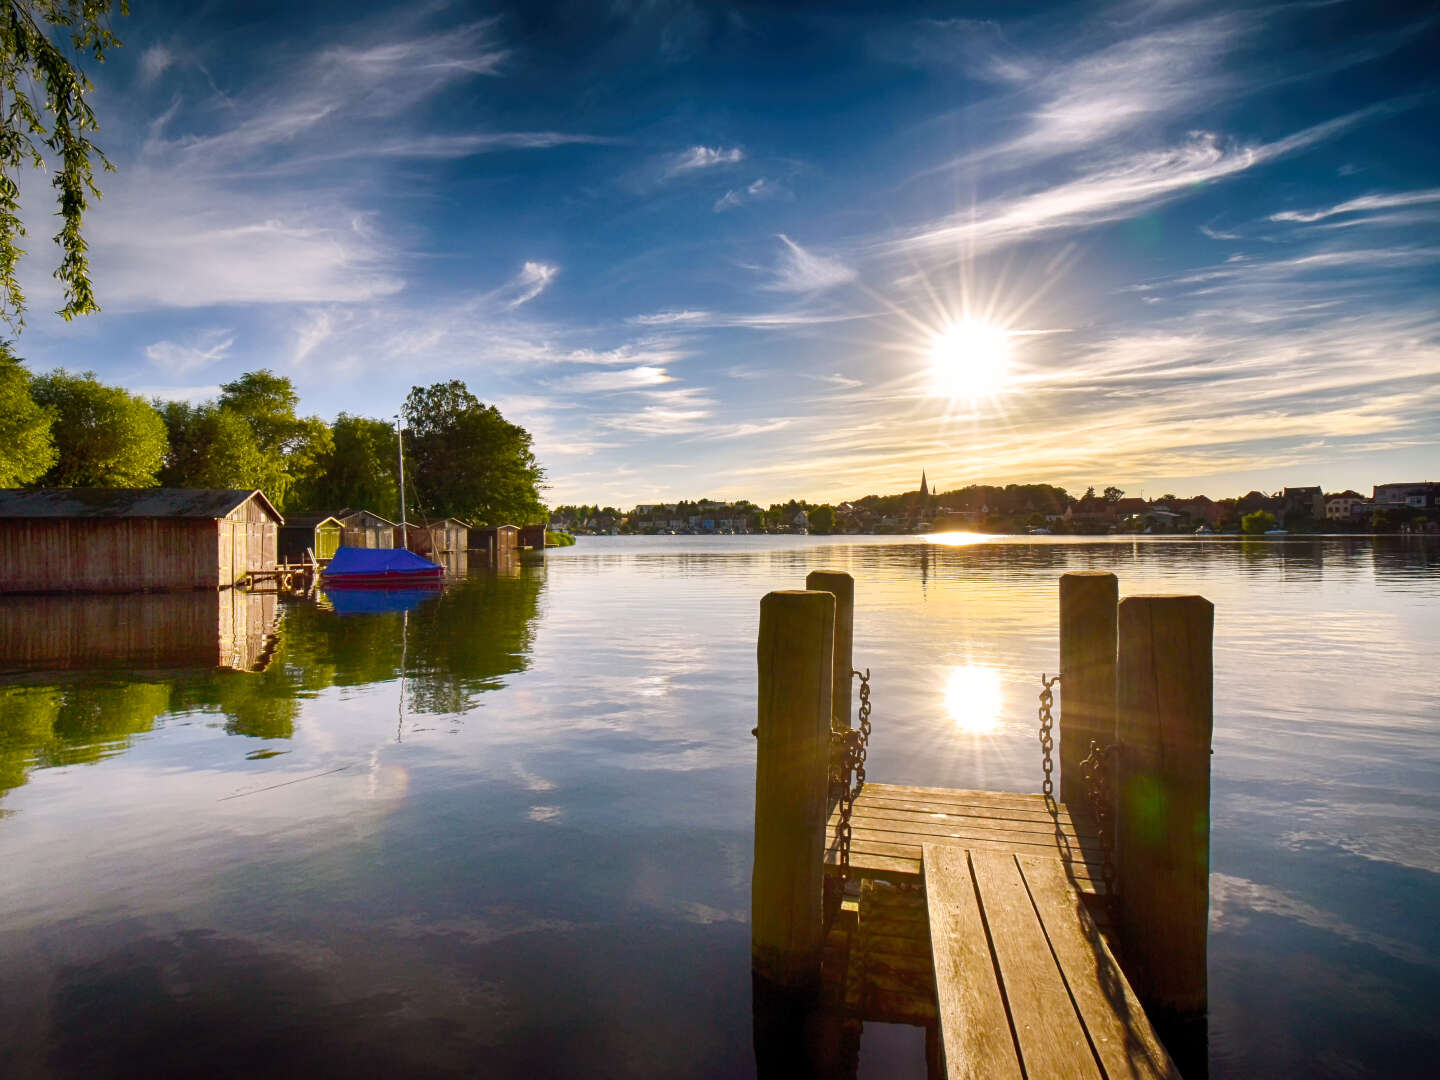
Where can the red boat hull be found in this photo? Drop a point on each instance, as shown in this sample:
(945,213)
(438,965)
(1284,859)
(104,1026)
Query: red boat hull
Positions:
(408,579)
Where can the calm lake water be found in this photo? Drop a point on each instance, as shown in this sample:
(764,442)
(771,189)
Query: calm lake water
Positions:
(507,832)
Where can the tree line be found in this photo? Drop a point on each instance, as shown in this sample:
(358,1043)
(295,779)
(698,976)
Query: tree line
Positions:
(462,457)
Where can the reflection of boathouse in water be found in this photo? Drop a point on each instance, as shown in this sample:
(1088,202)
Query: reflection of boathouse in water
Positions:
(149,632)
(133,539)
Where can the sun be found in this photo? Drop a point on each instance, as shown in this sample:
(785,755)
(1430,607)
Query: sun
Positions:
(973,698)
(969,359)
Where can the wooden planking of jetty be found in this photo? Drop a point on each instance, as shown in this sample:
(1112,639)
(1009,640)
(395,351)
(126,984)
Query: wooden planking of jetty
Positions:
(985,917)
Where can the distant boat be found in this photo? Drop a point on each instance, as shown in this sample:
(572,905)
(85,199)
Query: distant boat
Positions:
(379,567)
(1204,530)
(1277,532)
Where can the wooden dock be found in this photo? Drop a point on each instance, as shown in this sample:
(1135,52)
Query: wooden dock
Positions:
(984,917)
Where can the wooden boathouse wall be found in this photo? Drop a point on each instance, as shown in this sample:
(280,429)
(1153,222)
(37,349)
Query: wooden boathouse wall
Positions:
(364,529)
(85,540)
(230,628)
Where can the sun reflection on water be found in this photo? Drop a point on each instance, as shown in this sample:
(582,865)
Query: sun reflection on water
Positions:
(973,699)
(956,539)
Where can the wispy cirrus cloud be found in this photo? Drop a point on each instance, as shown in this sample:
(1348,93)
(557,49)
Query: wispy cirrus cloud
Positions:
(181,358)
(702,157)
(756,191)
(803,271)
(1114,188)
(532,280)
(1363,203)
(600,382)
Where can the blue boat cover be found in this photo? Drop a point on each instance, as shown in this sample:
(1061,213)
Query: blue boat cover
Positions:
(353,601)
(353,560)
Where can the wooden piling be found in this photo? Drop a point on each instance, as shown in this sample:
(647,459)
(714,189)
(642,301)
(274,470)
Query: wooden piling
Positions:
(843,586)
(795,656)
(1088,601)
(1164,712)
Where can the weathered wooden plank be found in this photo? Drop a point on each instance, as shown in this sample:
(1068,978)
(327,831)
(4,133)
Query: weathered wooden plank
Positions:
(1088,875)
(1032,843)
(1049,1033)
(1119,1030)
(999,799)
(974,1023)
(946,808)
(904,821)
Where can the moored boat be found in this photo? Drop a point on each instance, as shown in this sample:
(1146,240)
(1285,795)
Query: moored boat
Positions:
(379,568)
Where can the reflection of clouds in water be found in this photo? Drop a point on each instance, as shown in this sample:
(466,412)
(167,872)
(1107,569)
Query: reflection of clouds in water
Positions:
(1233,900)
(545,813)
(386,782)
(531,781)
(1411,844)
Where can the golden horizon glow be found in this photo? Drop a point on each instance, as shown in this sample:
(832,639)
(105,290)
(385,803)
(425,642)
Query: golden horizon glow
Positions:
(969,359)
(973,700)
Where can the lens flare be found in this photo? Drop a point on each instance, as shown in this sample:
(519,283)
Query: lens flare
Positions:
(973,700)
(969,359)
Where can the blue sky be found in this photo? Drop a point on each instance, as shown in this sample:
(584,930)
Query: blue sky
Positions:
(704,249)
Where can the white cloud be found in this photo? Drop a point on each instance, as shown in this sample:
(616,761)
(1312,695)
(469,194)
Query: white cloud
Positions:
(154,62)
(703,157)
(1364,202)
(533,279)
(666,318)
(1112,189)
(187,394)
(753,192)
(636,378)
(802,271)
(206,348)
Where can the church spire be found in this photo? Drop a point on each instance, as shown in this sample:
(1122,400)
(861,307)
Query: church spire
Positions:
(924,488)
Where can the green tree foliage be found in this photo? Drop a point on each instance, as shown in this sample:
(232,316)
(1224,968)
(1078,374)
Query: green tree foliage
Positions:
(104,436)
(1113,494)
(212,447)
(822,519)
(48,119)
(27,450)
(1258,522)
(359,470)
(470,462)
(295,448)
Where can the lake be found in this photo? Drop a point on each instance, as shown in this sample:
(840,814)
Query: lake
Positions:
(507,832)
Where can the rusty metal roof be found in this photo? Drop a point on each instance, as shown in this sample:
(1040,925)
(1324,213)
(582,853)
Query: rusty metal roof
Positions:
(156,502)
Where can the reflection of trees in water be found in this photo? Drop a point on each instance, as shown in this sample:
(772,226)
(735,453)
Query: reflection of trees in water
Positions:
(467,641)
(43,726)
(456,646)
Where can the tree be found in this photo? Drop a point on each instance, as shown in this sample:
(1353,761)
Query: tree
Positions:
(104,436)
(1089,493)
(212,447)
(467,460)
(358,470)
(294,447)
(1113,494)
(1254,524)
(822,519)
(55,127)
(27,450)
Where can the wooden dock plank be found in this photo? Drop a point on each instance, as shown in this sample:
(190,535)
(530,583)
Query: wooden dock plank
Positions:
(1051,1037)
(1119,1030)
(899,846)
(974,1023)
(942,812)
(979,831)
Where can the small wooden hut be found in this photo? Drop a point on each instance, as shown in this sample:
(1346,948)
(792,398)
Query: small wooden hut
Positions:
(499,542)
(133,539)
(443,537)
(305,533)
(365,529)
(533,537)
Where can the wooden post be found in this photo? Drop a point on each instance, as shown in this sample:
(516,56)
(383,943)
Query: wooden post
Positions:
(1162,828)
(843,586)
(1088,600)
(795,656)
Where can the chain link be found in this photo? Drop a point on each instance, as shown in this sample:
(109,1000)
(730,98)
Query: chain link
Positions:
(1047,733)
(849,748)
(1095,768)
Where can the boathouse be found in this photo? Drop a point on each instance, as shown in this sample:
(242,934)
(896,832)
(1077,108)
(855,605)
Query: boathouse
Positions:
(133,539)
(497,541)
(533,537)
(364,529)
(303,534)
(444,537)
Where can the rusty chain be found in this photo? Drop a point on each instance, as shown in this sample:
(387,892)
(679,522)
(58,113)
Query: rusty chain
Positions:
(1095,768)
(1047,733)
(849,748)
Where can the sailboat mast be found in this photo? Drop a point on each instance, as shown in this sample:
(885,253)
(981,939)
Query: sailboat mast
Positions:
(400,445)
